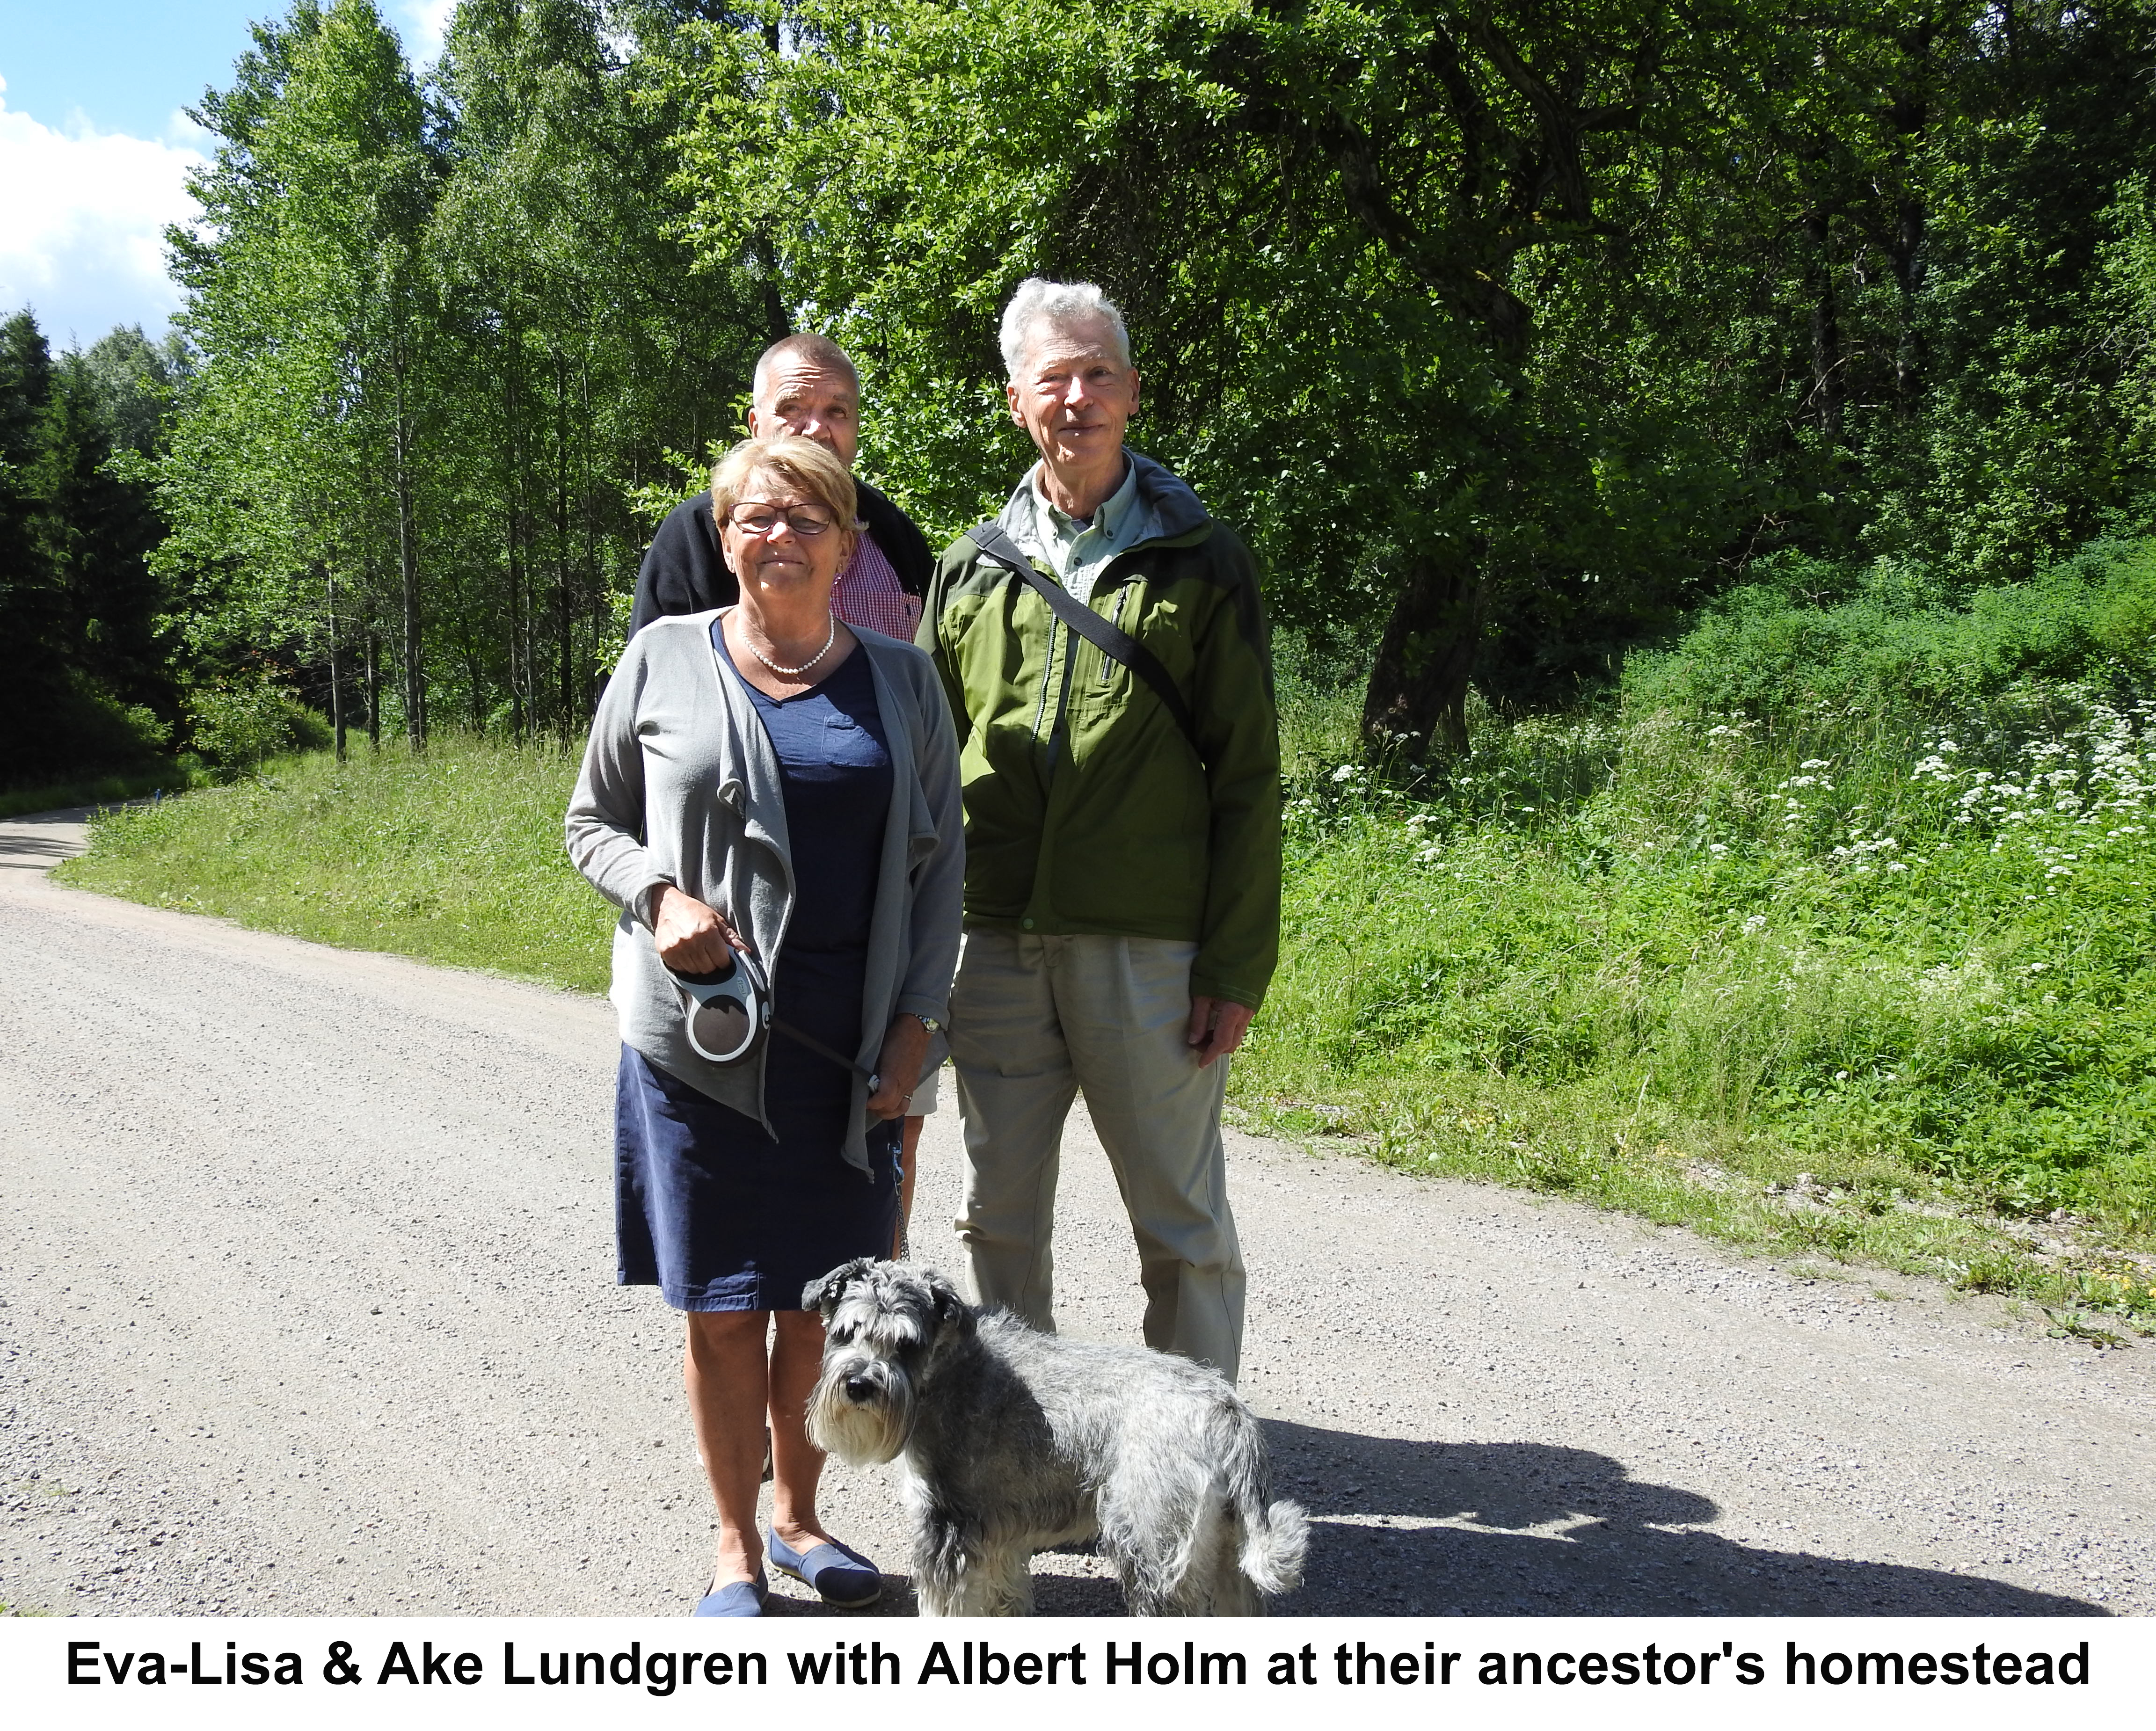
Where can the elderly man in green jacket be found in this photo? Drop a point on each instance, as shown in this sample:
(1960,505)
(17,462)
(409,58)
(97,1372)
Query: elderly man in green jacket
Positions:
(1122,833)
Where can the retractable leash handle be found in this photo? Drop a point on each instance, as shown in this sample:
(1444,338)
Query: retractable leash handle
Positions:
(730,1008)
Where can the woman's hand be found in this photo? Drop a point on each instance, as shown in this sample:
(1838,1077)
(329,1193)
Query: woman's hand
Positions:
(690,937)
(904,1050)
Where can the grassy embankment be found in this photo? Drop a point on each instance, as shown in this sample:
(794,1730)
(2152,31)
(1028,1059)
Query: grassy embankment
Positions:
(1830,936)
(455,857)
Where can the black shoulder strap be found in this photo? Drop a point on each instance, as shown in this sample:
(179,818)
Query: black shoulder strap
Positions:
(1103,633)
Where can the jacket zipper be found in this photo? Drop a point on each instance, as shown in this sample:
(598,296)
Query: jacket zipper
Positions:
(1062,722)
(1047,676)
(1114,618)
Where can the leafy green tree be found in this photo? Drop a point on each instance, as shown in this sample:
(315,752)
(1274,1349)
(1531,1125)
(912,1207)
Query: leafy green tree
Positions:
(89,687)
(108,411)
(595,341)
(2009,437)
(446,339)
(30,599)
(301,456)
(1383,261)
(1510,328)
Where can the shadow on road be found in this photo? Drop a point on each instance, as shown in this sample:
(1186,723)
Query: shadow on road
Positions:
(39,840)
(1609,1558)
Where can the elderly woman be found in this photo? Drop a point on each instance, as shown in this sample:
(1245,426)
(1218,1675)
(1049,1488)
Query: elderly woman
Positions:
(764,782)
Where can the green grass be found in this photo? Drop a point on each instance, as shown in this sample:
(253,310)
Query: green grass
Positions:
(455,857)
(1874,985)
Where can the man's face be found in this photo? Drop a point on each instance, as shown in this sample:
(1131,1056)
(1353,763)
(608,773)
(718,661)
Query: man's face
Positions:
(799,397)
(1073,395)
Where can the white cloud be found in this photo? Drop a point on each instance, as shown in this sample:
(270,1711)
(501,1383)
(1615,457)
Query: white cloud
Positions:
(183,129)
(426,22)
(82,221)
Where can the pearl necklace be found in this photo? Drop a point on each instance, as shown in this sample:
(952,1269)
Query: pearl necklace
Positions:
(830,637)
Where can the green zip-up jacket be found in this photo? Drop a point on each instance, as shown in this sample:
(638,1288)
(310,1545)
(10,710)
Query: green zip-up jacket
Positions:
(1087,809)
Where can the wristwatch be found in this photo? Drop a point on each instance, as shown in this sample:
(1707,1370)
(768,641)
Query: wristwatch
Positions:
(928,1022)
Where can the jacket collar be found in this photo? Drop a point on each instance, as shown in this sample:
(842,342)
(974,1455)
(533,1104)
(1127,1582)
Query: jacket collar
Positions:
(1165,496)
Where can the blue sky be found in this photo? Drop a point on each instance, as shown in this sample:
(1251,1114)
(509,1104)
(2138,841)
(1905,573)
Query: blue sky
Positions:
(94,148)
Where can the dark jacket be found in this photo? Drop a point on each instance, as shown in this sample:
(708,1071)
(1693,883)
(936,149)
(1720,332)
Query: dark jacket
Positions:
(685,572)
(1087,809)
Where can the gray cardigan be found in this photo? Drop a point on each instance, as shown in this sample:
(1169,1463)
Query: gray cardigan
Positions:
(680,786)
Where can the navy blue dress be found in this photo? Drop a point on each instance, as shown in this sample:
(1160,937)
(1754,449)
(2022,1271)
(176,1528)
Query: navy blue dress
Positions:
(708,1208)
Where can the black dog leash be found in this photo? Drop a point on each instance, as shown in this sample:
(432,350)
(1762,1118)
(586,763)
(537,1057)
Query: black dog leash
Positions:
(822,1051)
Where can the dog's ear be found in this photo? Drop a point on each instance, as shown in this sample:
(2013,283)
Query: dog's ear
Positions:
(954,1316)
(823,1296)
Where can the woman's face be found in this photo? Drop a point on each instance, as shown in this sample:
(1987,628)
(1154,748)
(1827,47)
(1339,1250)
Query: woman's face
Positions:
(782,563)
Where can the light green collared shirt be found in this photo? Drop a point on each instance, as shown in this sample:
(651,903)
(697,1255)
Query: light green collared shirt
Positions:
(1078,553)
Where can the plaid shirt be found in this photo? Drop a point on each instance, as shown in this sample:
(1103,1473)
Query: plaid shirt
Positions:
(868,593)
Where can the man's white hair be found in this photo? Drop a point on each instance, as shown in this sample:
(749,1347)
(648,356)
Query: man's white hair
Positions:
(1058,305)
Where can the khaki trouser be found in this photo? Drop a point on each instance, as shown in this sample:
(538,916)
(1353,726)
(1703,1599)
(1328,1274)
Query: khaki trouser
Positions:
(1034,1022)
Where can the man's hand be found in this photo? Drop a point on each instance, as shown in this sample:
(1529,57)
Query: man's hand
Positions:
(904,1050)
(1217,1027)
(690,937)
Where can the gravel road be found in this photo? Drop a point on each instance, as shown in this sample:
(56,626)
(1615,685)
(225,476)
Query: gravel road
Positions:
(305,1307)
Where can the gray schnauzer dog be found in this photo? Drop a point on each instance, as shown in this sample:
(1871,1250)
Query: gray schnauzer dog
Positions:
(1015,1441)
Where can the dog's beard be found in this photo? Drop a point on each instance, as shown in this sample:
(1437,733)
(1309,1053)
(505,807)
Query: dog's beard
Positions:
(861,1432)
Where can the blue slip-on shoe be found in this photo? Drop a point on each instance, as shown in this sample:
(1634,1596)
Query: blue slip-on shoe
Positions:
(843,1577)
(736,1598)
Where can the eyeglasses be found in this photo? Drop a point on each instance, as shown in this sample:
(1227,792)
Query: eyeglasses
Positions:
(803,520)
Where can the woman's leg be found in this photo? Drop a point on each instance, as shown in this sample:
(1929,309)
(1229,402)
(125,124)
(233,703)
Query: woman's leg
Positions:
(729,1385)
(797,1464)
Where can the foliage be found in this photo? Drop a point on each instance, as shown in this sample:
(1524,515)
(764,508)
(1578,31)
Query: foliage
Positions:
(1897,948)
(1891,643)
(2010,425)
(91,687)
(1506,331)
(445,341)
(237,726)
(296,457)
(1509,333)
(454,854)
(1372,254)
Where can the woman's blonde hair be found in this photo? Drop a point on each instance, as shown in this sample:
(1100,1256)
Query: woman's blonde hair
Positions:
(816,469)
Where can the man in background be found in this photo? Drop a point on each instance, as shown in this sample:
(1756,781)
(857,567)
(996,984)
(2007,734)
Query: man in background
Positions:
(805,384)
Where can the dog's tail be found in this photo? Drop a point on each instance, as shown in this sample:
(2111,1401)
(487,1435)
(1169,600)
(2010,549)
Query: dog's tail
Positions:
(1275,1535)
(1274,1539)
